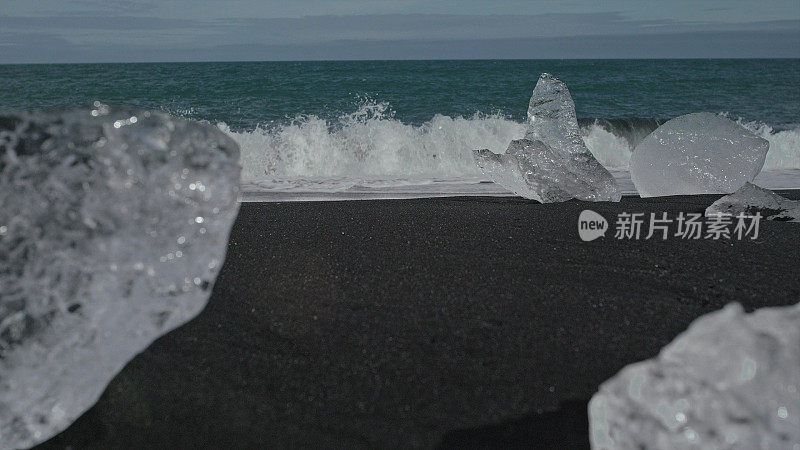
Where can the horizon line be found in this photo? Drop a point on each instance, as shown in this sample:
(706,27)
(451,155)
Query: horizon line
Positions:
(245,61)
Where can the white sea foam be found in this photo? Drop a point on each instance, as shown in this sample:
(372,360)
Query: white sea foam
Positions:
(371,148)
(614,152)
(370,143)
(784,146)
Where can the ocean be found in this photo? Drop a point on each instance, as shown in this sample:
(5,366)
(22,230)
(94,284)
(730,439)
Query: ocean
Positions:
(399,129)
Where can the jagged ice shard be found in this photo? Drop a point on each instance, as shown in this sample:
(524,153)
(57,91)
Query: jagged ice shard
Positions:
(699,153)
(751,199)
(113,226)
(552,163)
(732,380)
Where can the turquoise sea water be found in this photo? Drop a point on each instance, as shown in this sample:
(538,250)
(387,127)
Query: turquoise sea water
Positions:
(329,126)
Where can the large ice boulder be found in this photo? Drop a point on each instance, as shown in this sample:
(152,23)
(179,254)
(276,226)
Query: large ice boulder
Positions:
(113,226)
(751,199)
(732,380)
(552,163)
(699,153)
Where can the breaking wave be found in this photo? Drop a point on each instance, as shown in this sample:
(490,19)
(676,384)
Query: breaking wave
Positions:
(370,143)
(784,145)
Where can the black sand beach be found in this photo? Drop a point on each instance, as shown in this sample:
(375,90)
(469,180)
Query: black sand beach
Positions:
(480,322)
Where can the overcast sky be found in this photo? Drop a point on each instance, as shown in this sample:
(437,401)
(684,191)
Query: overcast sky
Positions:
(218,30)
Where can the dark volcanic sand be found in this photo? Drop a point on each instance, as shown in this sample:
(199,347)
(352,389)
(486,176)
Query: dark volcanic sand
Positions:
(413,323)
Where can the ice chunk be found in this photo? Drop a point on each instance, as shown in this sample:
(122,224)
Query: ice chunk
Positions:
(732,380)
(751,199)
(552,163)
(700,153)
(113,226)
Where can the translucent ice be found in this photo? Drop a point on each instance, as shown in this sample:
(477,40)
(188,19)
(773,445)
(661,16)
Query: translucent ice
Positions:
(113,226)
(552,163)
(700,153)
(751,199)
(732,380)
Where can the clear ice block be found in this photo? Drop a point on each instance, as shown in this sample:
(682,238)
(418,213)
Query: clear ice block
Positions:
(752,199)
(552,163)
(732,380)
(699,153)
(113,226)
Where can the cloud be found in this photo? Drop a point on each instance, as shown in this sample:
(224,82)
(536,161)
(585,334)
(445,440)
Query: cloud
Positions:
(82,23)
(320,29)
(96,37)
(714,44)
(117,6)
(38,47)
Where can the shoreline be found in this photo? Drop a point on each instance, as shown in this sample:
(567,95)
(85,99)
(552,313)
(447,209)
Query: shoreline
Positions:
(341,189)
(421,323)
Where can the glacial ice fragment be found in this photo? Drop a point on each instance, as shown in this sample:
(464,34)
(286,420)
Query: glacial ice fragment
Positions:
(113,226)
(699,153)
(752,199)
(552,163)
(732,380)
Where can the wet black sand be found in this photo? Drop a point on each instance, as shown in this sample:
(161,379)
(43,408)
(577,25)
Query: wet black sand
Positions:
(478,322)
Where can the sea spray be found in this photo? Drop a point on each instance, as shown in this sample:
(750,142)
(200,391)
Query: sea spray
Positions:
(370,143)
(784,145)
